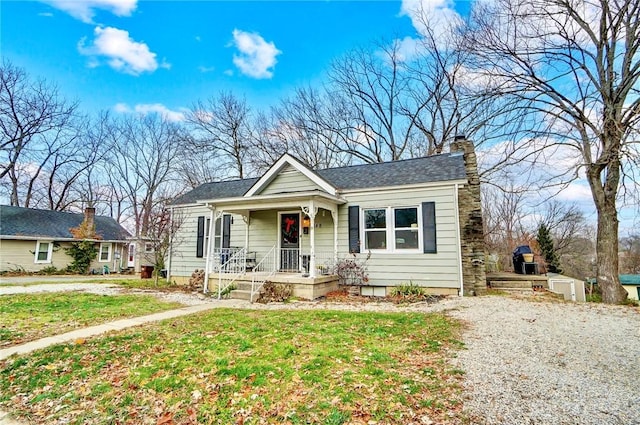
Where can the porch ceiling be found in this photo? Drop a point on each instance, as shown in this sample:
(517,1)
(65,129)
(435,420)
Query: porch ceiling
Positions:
(276,201)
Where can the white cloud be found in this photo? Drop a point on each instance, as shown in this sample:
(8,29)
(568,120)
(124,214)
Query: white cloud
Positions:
(438,16)
(123,53)
(46,14)
(256,57)
(205,69)
(84,10)
(151,108)
(578,191)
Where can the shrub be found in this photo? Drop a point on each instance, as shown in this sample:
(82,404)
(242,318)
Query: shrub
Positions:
(352,271)
(408,290)
(274,293)
(49,270)
(83,253)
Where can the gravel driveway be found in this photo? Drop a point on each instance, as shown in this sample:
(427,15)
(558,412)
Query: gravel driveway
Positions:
(526,362)
(531,362)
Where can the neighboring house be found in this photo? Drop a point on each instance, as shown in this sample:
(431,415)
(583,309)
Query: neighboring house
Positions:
(418,220)
(32,239)
(631,283)
(140,252)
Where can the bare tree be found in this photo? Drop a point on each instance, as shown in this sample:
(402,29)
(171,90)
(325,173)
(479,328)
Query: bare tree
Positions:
(303,125)
(630,254)
(145,153)
(571,68)
(504,219)
(223,125)
(32,116)
(370,85)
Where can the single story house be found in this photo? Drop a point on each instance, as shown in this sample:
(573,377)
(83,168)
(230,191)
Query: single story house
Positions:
(415,221)
(32,239)
(631,283)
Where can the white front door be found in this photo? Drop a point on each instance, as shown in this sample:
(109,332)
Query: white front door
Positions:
(131,255)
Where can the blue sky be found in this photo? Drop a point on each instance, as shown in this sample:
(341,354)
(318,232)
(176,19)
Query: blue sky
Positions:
(145,56)
(119,54)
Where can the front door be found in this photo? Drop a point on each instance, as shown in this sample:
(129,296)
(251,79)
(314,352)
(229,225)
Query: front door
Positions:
(131,255)
(289,241)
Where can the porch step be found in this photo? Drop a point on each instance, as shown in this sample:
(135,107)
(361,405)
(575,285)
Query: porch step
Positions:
(241,294)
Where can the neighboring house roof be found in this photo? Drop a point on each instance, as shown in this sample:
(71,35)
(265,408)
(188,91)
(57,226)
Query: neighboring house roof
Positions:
(429,169)
(630,279)
(28,222)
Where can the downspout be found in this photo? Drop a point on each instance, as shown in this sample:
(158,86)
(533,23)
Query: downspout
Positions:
(459,243)
(212,226)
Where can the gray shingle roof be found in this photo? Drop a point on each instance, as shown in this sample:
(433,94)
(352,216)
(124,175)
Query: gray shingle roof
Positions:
(18,221)
(428,169)
(435,168)
(216,190)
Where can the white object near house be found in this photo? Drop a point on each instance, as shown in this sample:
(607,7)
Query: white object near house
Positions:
(571,289)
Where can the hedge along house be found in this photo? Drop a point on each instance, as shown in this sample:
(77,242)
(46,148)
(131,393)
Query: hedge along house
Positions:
(417,221)
(32,240)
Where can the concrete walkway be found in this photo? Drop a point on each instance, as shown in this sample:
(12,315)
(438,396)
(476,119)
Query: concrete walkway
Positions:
(100,329)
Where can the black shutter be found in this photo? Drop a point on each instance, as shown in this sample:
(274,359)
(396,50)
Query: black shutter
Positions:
(226,231)
(200,238)
(354,228)
(429,227)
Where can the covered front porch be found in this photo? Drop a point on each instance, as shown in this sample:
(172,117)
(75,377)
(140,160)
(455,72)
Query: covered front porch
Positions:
(281,238)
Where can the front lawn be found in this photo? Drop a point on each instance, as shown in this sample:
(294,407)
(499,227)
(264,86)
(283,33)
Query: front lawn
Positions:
(26,317)
(246,367)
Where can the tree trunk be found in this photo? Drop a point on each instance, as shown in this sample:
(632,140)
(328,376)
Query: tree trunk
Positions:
(607,255)
(604,196)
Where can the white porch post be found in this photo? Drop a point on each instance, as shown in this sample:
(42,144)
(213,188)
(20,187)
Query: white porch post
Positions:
(207,266)
(334,216)
(247,220)
(311,211)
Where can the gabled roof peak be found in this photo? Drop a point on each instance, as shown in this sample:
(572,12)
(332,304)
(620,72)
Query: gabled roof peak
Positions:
(279,165)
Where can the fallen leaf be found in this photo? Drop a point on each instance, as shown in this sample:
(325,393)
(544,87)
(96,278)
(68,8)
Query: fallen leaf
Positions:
(165,419)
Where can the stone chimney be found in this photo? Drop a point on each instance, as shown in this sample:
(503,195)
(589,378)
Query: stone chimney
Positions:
(471,228)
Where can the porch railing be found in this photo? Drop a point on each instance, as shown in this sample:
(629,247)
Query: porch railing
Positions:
(234,267)
(263,270)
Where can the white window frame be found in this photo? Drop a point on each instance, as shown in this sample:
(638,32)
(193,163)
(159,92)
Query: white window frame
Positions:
(110,249)
(49,252)
(390,230)
(148,248)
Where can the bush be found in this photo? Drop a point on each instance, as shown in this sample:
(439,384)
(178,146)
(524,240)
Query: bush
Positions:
(83,253)
(352,271)
(50,270)
(274,293)
(411,293)
(408,290)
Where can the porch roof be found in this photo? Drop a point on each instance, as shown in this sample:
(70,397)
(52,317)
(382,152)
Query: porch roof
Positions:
(275,201)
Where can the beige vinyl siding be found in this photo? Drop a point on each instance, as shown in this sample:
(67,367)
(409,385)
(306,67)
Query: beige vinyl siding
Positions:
(440,270)
(323,233)
(263,232)
(632,290)
(289,180)
(20,254)
(184,260)
(183,257)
